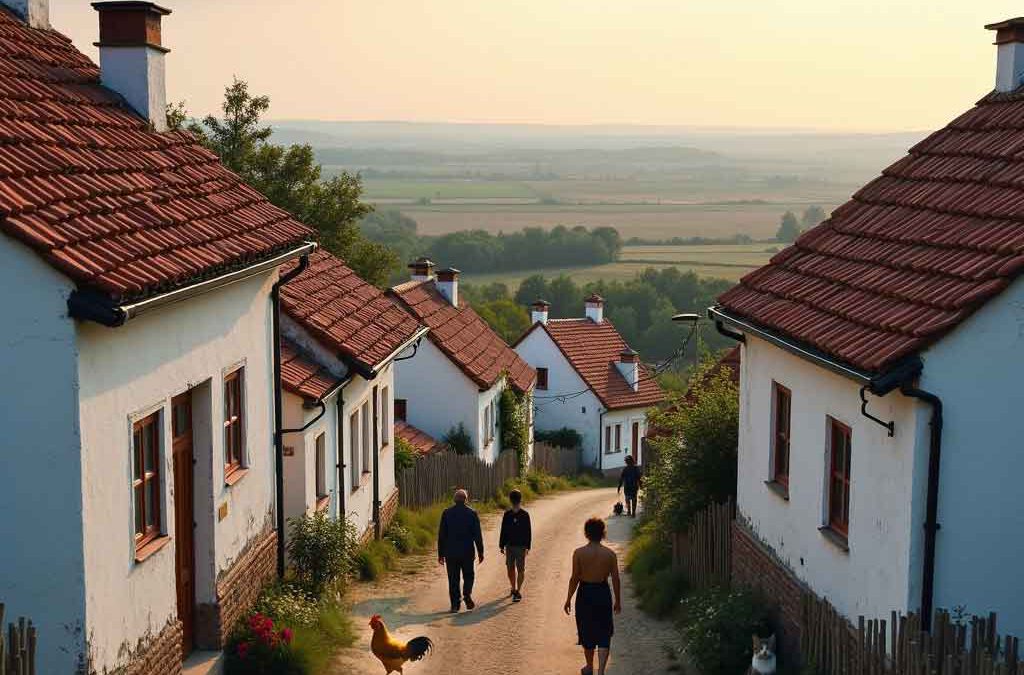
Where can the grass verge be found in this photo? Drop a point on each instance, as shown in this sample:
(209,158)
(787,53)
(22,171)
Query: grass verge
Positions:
(657,586)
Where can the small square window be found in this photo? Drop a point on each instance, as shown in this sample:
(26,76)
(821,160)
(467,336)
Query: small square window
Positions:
(542,378)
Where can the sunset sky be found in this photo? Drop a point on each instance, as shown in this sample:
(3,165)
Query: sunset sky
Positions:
(864,65)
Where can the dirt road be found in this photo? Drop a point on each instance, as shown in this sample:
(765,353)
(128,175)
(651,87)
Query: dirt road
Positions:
(533,637)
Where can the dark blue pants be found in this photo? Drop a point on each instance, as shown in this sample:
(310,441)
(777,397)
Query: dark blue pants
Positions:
(457,567)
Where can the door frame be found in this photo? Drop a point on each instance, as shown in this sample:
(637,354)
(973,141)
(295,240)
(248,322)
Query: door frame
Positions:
(182,442)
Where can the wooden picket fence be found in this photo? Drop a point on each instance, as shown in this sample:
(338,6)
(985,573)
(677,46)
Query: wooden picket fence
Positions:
(704,551)
(900,646)
(435,477)
(556,460)
(18,651)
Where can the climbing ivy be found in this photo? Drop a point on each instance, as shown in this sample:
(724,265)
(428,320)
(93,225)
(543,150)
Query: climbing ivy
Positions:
(515,429)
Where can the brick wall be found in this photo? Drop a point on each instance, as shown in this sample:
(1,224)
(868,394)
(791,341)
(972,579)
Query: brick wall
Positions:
(388,510)
(754,565)
(238,587)
(160,655)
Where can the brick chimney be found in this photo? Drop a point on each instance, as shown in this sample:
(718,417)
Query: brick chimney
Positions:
(36,13)
(448,284)
(539,311)
(422,269)
(629,366)
(1009,53)
(595,308)
(132,57)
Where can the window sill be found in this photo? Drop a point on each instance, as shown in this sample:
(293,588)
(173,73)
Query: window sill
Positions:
(322,503)
(778,488)
(235,476)
(146,551)
(836,538)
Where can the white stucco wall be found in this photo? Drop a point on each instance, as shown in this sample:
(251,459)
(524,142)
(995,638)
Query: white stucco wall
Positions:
(977,372)
(439,395)
(626,417)
(130,371)
(42,571)
(874,576)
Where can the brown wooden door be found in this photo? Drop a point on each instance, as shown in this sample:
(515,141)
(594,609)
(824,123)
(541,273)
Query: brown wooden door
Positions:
(636,441)
(184,523)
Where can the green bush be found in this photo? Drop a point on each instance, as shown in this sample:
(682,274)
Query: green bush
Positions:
(376,558)
(316,645)
(717,626)
(401,538)
(289,605)
(649,561)
(322,550)
(515,430)
(562,438)
(458,440)
(405,455)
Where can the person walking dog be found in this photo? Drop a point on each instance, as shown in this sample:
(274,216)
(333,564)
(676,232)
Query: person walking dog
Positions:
(630,482)
(458,534)
(514,541)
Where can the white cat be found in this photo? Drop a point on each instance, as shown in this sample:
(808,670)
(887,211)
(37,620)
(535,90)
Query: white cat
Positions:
(763,662)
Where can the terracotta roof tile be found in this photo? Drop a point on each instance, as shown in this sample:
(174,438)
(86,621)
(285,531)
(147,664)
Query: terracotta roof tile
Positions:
(464,337)
(593,349)
(422,442)
(346,313)
(912,254)
(303,376)
(108,202)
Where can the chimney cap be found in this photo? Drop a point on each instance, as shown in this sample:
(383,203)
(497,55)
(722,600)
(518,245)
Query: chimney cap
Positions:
(449,270)
(594,297)
(130,23)
(421,262)
(130,6)
(1010,30)
(539,302)
(629,353)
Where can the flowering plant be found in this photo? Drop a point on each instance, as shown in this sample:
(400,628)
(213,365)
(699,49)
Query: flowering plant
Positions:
(258,647)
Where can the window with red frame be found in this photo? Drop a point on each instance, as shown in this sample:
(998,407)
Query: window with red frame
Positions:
(840,450)
(146,479)
(542,378)
(780,434)
(234,422)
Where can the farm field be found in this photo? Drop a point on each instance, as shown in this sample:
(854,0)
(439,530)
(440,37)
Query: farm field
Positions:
(722,262)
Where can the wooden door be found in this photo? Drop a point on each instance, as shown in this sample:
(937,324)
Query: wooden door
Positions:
(184,522)
(636,442)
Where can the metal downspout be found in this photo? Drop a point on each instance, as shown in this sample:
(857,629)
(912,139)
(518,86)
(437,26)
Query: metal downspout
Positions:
(340,466)
(376,463)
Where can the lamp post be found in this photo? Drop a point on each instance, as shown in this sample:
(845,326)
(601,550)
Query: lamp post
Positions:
(693,320)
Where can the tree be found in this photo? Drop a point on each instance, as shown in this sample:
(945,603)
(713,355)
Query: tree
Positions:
(533,287)
(291,179)
(789,229)
(812,216)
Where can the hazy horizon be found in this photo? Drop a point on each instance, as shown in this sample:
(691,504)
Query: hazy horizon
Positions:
(773,65)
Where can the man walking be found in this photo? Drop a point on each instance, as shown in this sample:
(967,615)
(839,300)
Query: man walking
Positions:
(629,482)
(514,541)
(457,536)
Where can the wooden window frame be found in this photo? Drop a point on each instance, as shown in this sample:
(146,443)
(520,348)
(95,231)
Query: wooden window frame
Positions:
(385,418)
(618,437)
(838,519)
(320,470)
(781,440)
(234,423)
(608,439)
(141,507)
(542,379)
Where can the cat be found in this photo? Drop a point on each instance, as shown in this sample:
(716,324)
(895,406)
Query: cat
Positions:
(763,662)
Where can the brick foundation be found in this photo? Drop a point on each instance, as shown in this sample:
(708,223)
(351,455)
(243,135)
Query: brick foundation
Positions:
(238,588)
(754,565)
(388,510)
(160,654)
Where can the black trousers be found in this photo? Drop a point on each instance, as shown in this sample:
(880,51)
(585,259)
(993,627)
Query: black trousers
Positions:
(460,567)
(631,504)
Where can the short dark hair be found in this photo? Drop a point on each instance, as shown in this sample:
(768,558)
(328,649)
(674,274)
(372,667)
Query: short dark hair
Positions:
(515,496)
(630,460)
(595,529)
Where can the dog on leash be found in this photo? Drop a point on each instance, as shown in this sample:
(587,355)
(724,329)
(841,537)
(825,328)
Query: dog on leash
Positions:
(763,661)
(618,508)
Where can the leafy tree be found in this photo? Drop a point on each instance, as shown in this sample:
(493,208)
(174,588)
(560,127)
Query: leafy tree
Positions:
(531,288)
(566,298)
(508,319)
(405,455)
(459,441)
(789,229)
(812,216)
(291,179)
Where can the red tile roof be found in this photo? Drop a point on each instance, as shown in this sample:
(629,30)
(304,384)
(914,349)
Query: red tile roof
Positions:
(593,350)
(422,442)
(464,337)
(346,313)
(303,376)
(108,202)
(912,254)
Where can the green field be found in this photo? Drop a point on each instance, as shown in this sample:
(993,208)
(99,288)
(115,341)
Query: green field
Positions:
(723,262)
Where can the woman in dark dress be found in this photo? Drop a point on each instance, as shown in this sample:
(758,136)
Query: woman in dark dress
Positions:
(592,566)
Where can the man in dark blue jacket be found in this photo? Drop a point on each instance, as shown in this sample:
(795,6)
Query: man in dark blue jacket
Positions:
(457,536)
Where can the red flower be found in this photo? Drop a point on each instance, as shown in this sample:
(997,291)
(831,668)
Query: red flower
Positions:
(286,635)
(243,649)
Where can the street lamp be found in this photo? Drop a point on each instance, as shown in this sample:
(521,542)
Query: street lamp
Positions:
(686,317)
(692,319)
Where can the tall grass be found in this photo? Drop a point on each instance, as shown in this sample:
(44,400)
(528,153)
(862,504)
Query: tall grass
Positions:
(649,561)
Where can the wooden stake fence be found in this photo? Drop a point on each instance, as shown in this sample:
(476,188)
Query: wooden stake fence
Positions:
(555,460)
(433,478)
(704,551)
(18,652)
(899,645)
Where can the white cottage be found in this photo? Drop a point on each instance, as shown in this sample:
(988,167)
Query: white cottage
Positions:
(341,337)
(590,380)
(139,277)
(458,374)
(880,427)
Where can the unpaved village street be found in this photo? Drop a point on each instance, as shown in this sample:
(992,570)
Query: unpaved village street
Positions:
(529,638)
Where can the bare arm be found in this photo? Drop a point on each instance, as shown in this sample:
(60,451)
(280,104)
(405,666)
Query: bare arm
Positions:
(616,584)
(574,580)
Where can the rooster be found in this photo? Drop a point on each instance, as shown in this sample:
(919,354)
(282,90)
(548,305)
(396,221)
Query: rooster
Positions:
(392,653)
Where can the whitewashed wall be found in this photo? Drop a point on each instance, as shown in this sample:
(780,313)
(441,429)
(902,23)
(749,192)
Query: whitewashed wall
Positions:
(977,371)
(614,460)
(41,561)
(873,577)
(130,371)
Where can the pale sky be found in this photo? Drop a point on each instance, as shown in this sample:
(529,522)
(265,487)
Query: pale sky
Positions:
(865,65)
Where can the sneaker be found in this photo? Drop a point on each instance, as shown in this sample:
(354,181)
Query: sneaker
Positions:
(454,609)
(516,596)
(511,592)
(469,603)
